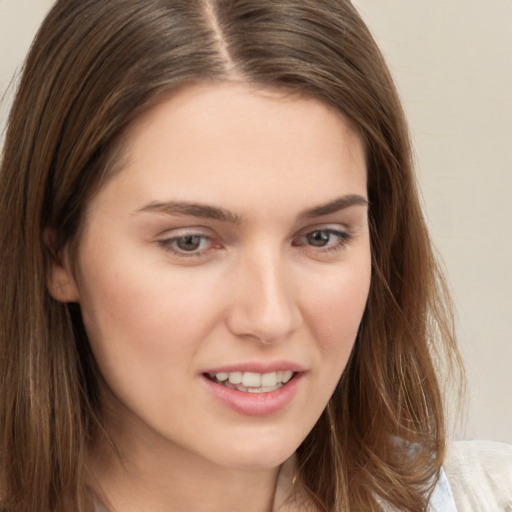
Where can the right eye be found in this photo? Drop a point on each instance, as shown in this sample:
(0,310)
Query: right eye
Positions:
(187,245)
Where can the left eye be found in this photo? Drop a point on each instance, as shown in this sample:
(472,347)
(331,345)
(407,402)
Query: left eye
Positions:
(186,243)
(324,238)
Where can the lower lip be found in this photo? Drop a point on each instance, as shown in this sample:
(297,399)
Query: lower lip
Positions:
(255,404)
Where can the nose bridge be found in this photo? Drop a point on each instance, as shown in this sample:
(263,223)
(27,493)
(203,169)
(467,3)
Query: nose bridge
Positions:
(265,302)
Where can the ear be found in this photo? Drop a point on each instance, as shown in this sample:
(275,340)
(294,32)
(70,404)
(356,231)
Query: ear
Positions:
(60,280)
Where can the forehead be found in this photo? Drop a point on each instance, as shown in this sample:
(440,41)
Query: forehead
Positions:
(223,141)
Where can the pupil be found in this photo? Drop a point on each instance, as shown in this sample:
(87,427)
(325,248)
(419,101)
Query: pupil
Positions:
(318,238)
(189,243)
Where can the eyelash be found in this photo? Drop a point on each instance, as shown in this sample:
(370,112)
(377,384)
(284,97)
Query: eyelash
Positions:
(169,244)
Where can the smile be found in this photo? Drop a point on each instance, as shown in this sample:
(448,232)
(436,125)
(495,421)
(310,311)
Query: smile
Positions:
(252,382)
(253,393)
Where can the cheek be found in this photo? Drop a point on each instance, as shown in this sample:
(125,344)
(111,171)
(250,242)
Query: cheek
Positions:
(144,332)
(138,319)
(334,314)
(135,288)
(338,305)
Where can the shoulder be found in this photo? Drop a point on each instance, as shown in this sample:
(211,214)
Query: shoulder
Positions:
(480,475)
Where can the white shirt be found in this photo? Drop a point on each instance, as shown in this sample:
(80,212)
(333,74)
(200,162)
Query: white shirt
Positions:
(476,477)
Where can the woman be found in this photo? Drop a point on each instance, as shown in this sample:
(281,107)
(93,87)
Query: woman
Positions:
(219,290)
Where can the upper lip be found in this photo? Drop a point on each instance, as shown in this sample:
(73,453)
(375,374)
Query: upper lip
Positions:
(257,367)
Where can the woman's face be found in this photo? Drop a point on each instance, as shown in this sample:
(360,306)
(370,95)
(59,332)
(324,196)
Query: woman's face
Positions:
(232,246)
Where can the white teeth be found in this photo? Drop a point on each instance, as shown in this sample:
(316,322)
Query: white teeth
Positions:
(269,379)
(287,375)
(253,382)
(235,377)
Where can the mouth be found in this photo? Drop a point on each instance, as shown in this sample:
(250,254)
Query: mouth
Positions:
(252,382)
(253,393)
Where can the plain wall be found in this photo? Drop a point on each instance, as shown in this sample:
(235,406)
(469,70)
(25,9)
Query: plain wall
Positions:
(452,60)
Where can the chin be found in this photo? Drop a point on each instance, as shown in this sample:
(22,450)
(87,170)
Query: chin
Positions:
(259,451)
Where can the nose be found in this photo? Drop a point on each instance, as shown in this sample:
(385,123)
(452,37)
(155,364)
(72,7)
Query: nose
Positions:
(265,304)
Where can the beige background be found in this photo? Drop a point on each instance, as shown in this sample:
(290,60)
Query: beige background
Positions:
(452,60)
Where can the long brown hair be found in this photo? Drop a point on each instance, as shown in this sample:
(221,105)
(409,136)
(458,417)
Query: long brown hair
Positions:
(93,67)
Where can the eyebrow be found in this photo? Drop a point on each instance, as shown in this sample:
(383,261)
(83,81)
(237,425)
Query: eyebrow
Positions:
(334,206)
(205,211)
(202,211)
